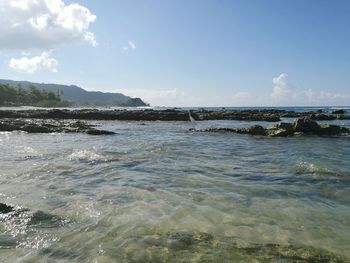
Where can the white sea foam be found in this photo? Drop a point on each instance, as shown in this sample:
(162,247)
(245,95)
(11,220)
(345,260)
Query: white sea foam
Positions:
(89,155)
(315,169)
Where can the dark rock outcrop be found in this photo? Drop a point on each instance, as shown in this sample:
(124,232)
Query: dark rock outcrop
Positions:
(341,111)
(268,115)
(98,132)
(49,126)
(5,209)
(144,115)
(301,126)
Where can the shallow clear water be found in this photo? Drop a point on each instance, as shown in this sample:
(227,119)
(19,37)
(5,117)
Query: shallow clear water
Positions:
(159,193)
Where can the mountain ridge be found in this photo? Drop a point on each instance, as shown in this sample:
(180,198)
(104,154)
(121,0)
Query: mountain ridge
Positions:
(80,96)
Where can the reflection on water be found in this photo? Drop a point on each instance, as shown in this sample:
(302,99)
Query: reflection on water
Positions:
(158,193)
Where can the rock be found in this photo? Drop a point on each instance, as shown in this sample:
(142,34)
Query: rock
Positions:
(5,209)
(341,111)
(306,125)
(281,130)
(256,130)
(48,126)
(148,114)
(301,126)
(34,128)
(332,130)
(278,133)
(99,132)
(46,220)
(322,117)
(8,127)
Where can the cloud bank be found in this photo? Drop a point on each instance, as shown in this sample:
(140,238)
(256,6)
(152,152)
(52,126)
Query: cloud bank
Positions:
(42,25)
(31,65)
(281,89)
(284,93)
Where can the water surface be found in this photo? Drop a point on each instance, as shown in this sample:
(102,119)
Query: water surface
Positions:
(155,192)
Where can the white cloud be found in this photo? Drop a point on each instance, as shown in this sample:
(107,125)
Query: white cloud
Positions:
(43,24)
(168,97)
(242,95)
(131,45)
(287,94)
(31,65)
(178,97)
(281,87)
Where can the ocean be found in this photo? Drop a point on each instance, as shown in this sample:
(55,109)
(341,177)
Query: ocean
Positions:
(157,192)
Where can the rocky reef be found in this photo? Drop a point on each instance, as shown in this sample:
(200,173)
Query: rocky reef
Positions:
(20,221)
(269,115)
(49,126)
(183,246)
(301,126)
(38,218)
(173,246)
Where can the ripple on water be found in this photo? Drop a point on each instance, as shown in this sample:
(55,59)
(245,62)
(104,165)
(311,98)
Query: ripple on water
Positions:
(318,171)
(21,228)
(160,194)
(88,155)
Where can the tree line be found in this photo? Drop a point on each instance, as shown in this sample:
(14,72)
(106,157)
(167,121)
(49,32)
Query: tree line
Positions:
(18,96)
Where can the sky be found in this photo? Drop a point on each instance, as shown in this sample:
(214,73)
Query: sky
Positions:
(184,52)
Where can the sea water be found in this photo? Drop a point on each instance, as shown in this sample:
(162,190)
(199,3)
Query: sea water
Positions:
(157,192)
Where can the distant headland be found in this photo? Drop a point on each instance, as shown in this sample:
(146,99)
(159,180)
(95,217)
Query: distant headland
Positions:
(18,93)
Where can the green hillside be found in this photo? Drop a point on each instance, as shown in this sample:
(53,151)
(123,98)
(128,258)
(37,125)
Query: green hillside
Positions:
(17,96)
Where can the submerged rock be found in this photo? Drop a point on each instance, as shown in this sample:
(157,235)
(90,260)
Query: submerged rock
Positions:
(46,220)
(38,219)
(192,246)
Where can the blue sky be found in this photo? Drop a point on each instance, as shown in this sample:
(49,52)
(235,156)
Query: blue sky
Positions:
(188,52)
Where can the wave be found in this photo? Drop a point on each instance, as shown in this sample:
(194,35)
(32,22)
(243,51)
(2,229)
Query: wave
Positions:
(88,155)
(317,170)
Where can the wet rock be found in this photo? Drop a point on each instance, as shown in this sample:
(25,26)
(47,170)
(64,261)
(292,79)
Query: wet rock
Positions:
(147,114)
(301,126)
(49,126)
(341,111)
(332,130)
(256,130)
(5,209)
(322,117)
(306,125)
(33,128)
(175,114)
(278,132)
(99,132)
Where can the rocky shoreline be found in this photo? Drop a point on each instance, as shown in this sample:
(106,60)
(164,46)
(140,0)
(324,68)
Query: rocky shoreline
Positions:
(73,121)
(269,115)
(301,126)
(50,126)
